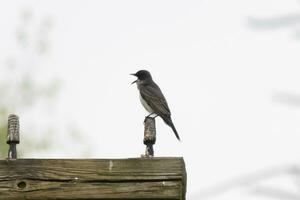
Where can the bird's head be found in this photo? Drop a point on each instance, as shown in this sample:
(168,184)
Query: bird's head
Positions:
(142,75)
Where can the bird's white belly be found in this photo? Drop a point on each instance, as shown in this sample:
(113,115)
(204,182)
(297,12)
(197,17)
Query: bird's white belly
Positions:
(146,106)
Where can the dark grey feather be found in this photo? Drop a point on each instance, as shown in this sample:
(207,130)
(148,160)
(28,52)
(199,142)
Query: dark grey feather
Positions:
(152,94)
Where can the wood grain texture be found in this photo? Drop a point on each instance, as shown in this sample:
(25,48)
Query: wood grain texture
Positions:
(137,178)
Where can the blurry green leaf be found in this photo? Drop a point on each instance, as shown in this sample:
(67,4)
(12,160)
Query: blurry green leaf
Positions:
(25,93)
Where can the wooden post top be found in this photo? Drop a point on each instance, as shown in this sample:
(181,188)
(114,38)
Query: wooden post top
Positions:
(13,135)
(13,129)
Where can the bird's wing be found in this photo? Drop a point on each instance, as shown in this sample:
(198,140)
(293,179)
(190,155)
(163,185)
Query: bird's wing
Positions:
(152,94)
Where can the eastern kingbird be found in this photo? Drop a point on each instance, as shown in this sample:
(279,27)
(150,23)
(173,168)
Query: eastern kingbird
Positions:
(152,98)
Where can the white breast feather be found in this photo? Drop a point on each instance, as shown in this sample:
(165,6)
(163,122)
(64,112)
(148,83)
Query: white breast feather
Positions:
(146,106)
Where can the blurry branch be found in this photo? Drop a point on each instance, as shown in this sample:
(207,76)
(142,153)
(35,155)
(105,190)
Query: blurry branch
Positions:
(251,182)
(278,192)
(286,98)
(291,20)
(274,22)
(275,193)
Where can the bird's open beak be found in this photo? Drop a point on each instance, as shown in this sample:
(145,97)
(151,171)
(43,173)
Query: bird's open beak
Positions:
(135,80)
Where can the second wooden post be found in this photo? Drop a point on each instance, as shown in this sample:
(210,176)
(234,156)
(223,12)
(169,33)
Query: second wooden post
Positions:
(149,136)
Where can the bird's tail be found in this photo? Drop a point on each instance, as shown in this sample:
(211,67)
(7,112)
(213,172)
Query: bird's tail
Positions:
(169,122)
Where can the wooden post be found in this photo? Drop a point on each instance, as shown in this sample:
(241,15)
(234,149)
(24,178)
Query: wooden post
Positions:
(149,136)
(13,137)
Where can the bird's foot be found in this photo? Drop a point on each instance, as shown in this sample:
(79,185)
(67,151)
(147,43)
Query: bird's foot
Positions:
(149,116)
(152,115)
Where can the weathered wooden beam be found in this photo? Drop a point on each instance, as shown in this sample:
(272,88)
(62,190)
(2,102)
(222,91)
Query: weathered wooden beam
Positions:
(136,178)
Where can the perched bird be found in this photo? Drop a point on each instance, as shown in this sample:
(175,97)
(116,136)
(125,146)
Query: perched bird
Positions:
(153,99)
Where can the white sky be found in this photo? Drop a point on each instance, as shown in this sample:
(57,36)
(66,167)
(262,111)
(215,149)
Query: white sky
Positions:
(228,85)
